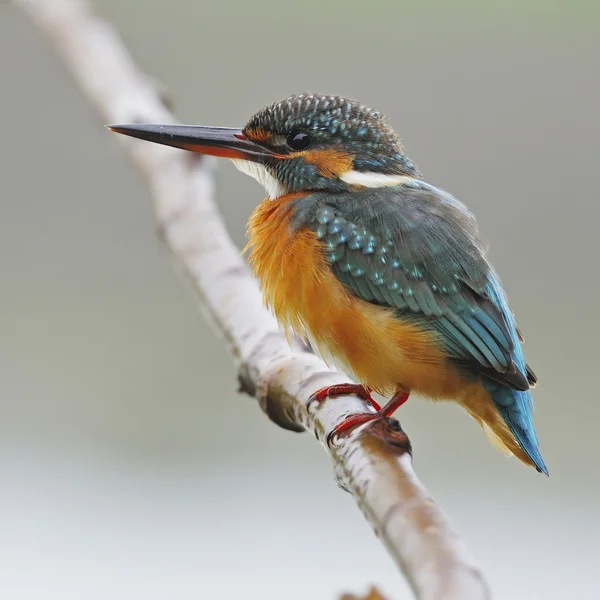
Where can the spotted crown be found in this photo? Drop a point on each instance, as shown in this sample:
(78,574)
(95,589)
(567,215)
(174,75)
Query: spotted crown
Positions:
(337,121)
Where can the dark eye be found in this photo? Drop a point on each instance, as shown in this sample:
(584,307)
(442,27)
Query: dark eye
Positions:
(298,140)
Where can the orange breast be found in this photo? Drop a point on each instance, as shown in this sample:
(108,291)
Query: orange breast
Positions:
(366,340)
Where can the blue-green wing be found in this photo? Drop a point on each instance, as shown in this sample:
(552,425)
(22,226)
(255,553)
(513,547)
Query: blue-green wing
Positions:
(416,249)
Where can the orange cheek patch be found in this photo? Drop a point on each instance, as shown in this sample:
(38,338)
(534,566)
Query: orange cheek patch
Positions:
(330,163)
(258,135)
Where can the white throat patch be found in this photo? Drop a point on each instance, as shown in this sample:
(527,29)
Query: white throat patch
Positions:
(273,187)
(374,180)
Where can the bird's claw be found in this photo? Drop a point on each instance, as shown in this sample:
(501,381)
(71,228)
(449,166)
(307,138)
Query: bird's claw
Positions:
(341,389)
(353,421)
(399,398)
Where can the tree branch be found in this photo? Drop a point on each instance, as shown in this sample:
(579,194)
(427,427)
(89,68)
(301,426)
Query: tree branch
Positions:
(373,463)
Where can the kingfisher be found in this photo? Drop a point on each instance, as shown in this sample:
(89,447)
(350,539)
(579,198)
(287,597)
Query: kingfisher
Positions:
(383,273)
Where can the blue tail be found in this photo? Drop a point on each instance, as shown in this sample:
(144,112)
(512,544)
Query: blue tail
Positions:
(515,407)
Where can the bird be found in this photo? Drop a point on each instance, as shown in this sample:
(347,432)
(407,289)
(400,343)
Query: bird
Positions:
(384,274)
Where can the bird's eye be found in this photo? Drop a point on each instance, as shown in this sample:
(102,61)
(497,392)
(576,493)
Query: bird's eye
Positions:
(298,140)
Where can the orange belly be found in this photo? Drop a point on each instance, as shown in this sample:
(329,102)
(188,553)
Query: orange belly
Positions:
(367,341)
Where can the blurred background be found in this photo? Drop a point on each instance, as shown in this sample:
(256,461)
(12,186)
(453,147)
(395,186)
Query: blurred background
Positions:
(129,466)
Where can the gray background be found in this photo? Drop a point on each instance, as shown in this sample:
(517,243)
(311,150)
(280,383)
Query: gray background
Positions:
(129,466)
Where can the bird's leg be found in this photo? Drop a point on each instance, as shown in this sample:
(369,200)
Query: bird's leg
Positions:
(397,400)
(342,389)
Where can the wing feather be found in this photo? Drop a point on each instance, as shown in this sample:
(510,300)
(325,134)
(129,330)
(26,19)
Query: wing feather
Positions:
(416,249)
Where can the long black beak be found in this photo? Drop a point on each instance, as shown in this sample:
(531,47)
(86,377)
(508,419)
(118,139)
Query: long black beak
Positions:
(228,142)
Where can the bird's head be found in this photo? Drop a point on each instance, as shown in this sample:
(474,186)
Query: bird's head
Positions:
(305,142)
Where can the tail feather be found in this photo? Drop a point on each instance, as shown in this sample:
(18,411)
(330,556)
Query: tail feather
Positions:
(510,431)
(515,406)
(515,409)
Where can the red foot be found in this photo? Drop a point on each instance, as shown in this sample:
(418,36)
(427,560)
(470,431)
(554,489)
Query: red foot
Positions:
(342,389)
(397,400)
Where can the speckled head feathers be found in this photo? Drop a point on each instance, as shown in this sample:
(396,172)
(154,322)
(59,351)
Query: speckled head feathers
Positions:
(330,116)
(334,123)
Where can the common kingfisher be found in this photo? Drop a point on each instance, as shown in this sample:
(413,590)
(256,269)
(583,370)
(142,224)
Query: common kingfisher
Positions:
(383,273)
